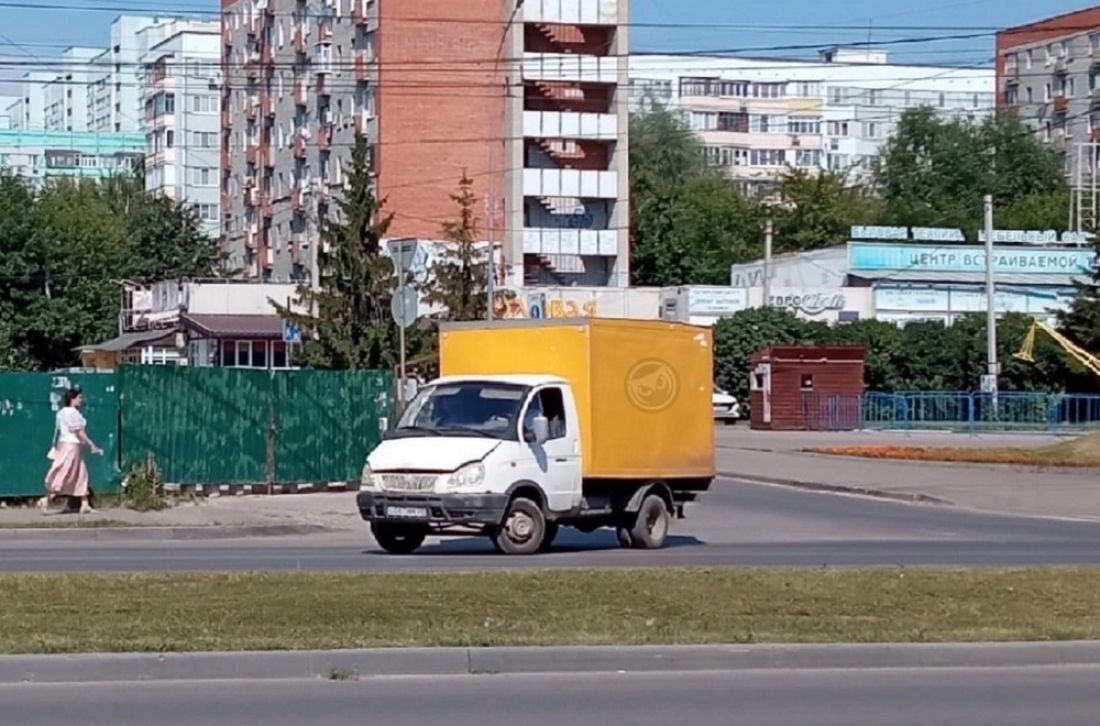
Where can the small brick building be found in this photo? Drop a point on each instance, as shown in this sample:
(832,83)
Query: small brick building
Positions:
(807,388)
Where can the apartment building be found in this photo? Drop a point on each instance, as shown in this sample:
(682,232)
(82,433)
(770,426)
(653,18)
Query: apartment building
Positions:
(181,85)
(758,117)
(1048,75)
(36,155)
(528,99)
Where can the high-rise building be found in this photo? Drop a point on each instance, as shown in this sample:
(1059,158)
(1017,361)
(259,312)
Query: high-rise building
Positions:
(528,99)
(1048,75)
(759,116)
(181,96)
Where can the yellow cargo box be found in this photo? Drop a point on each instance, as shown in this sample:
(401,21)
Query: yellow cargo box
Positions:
(643,388)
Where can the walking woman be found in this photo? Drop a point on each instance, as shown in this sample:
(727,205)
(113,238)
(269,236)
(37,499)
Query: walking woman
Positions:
(68,476)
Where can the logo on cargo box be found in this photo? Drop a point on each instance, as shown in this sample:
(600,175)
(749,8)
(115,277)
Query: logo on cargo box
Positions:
(652,385)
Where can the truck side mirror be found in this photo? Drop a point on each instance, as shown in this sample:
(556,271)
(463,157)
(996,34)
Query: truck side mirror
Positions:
(541,428)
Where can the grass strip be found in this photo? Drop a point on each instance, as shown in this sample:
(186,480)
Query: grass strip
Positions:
(190,612)
(1020,457)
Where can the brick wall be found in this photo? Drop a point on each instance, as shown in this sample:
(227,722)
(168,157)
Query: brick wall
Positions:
(439,108)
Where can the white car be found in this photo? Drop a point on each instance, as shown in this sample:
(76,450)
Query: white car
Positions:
(726,408)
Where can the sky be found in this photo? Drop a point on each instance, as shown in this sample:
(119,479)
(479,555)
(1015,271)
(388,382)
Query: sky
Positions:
(741,26)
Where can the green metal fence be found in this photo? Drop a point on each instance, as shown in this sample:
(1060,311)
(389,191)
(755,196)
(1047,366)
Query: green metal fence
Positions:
(202,425)
(28,407)
(230,426)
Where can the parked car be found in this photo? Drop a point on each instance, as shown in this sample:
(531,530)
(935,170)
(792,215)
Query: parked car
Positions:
(726,407)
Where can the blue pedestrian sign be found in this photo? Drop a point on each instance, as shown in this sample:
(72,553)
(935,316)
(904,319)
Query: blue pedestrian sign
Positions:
(536,306)
(291,332)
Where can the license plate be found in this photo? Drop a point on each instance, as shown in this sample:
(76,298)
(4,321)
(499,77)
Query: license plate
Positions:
(407,512)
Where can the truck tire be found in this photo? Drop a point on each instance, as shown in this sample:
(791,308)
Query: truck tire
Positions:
(650,529)
(523,530)
(397,539)
(626,539)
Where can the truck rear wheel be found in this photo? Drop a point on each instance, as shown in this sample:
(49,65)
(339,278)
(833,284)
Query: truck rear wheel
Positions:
(397,539)
(650,529)
(523,530)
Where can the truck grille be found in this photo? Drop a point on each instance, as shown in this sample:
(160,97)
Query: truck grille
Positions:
(409,482)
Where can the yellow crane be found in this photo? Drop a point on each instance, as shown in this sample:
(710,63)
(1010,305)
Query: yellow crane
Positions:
(1082,356)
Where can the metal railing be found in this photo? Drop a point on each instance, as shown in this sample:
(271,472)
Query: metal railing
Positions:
(952,410)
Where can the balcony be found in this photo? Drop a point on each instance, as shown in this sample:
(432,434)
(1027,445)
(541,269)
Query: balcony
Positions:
(301,41)
(570,183)
(1094,134)
(299,146)
(265,206)
(362,68)
(301,93)
(570,125)
(365,125)
(1061,104)
(297,197)
(581,12)
(252,153)
(551,241)
(267,106)
(324,137)
(360,11)
(267,54)
(570,67)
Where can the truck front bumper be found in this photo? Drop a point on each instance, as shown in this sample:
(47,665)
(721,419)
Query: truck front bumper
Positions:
(379,506)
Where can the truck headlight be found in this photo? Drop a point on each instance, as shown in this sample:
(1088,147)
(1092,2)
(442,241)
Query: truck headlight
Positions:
(366,478)
(468,477)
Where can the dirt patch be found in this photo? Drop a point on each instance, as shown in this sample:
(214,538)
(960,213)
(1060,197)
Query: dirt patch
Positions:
(1079,453)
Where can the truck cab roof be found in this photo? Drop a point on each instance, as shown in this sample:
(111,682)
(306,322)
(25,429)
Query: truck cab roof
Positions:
(516,379)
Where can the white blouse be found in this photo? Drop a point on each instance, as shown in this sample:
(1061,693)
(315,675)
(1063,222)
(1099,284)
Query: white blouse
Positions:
(69,421)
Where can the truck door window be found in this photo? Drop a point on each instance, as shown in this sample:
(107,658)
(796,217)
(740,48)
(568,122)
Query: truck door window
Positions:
(549,402)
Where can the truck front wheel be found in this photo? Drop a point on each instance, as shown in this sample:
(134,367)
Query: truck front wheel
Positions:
(397,539)
(650,529)
(523,530)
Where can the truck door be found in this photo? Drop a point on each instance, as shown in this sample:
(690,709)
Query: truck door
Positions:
(557,462)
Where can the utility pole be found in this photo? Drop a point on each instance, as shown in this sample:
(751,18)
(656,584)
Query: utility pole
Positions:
(768,229)
(991,304)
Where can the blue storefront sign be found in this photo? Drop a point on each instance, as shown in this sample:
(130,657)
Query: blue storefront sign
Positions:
(870,256)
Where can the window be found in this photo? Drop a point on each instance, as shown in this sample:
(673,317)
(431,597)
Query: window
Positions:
(807,89)
(259,354)
(733,89)
(769,90)
(696,86)
(870,130)
(1029,59)
(208,212)
(242,353)
(1012,96)
(767,157)
(1012,63)
(807,157)
(942,99)
(1068,87)
(1047,131)
(804,125)
(1030,95)
(548,402)
(204,177)
(280,355)
(204,139)
(838,128)
(204,104)
(169,139)
(738,122)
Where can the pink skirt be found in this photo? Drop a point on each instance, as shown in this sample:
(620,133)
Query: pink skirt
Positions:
(68,476)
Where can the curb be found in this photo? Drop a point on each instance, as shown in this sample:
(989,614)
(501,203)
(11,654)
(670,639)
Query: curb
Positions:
(839,489)
(143,533)
(351,664)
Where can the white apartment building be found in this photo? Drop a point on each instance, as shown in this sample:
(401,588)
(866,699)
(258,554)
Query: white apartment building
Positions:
(180,83)
(760,116)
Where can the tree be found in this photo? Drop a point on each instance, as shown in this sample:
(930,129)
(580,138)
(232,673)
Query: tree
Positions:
(934,172)
(817,209)
(689,224)
(884,351)
(1082,321)
(458,279)
(745,332)
(348,319)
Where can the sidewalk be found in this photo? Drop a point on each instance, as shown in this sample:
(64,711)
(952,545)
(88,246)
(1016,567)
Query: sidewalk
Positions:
(777,457)
(222,516)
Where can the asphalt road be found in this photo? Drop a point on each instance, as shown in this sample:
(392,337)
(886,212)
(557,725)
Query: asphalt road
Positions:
(1005,696)
(737,524)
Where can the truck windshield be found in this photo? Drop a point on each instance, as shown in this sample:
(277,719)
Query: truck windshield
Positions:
(463,409)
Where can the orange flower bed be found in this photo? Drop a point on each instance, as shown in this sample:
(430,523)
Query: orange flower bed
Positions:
(968,456)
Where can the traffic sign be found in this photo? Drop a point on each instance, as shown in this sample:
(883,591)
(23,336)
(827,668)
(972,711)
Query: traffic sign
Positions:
(291,332)
(403,251)
(405,306)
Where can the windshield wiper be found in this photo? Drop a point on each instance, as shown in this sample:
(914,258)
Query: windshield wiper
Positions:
(418,429)
(468,430)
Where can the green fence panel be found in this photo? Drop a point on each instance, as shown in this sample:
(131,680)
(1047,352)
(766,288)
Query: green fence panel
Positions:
(327,421)
(203,425)
(28,407)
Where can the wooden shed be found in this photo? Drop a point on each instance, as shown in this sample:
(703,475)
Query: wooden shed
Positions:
(807,388)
